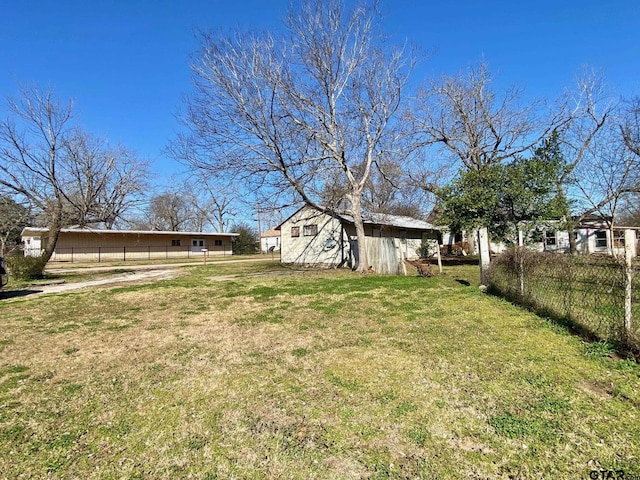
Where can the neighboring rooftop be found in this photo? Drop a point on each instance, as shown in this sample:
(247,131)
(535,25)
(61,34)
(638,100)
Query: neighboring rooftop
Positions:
(397,221)
(272,232)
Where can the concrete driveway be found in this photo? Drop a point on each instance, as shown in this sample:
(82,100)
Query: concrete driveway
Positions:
(141,273)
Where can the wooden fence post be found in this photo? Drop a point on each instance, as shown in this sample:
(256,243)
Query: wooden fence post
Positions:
(483,241)
(520,253)
(629,239)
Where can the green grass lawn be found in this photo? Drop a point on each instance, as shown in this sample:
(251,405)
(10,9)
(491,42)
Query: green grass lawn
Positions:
(306,375)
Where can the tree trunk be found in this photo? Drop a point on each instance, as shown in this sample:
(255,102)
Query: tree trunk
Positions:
(363,260)
(573,244)
(55,225)
(471,244)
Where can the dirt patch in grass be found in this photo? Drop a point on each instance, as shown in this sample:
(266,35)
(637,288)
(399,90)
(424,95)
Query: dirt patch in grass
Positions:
(60,286)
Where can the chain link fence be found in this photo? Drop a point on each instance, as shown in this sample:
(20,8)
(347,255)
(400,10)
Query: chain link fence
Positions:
(598,294)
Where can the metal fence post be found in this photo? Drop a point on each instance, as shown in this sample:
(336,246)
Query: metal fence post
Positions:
(124,254)
(99,252)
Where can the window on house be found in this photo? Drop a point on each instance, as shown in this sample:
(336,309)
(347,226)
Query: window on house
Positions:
(310,230)
(550,238)
(295,231)
(601,239)
(217,243)
(175,242)
(618,238)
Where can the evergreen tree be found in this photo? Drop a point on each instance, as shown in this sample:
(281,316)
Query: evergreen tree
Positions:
(247,242)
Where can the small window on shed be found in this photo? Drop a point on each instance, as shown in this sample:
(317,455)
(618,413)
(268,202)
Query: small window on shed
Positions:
(217,243)
(601,239)
(175,242)
(550,238)
(310,230)
(295,231)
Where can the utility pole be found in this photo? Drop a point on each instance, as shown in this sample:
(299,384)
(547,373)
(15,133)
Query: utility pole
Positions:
(259,229)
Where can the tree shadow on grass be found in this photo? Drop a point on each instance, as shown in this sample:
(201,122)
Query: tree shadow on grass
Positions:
(460,260)
(569,325)
(9,294)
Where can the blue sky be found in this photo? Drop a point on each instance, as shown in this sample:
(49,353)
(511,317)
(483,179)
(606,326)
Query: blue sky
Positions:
(126,63)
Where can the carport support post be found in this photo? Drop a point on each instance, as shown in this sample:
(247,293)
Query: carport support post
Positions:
(629,239)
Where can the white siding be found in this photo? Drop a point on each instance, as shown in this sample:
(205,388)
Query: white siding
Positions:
(267,242)
(329,246)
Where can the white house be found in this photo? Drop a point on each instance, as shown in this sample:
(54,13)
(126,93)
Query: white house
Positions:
(592,235)
(313,237)
(270,241)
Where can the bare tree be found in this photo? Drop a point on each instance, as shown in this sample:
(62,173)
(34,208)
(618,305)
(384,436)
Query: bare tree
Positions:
(598,170)
(479,128)
(390,190)
(630,129)
(59,171)
(473,123)
(299,113)
(213,201)
(608,174)
(100,183)
(630,126)
(169,211)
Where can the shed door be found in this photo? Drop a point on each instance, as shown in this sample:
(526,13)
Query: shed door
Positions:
(197,244)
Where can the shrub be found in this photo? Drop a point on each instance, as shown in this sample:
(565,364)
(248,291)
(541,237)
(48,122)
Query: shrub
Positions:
(23,267)
(427,249)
